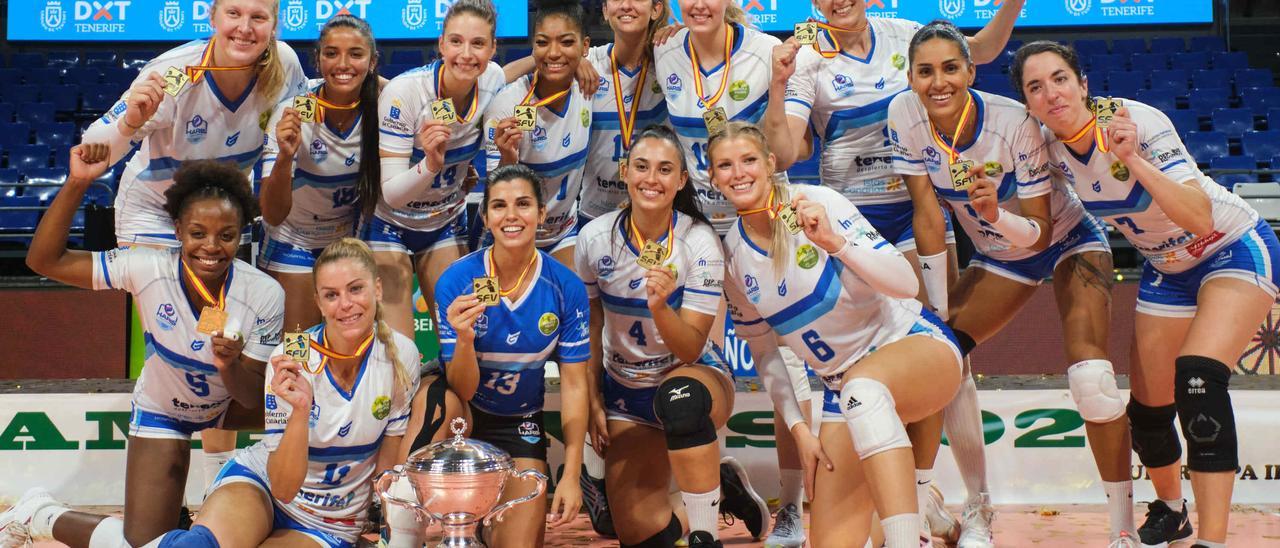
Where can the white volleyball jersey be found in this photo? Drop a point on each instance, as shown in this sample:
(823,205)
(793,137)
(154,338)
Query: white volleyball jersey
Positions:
(179,379)
(634,352)
(199,124)
(1108,190)
(1008,140)
(845,100)
(325,170)
(602,188)
(556,149)
(346,429)
(818,306)
(515,339)
(745,97)
(405,104)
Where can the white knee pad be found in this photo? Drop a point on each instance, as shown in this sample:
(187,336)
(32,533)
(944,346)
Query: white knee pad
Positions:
(872,417)
(1093,387)
(795,371)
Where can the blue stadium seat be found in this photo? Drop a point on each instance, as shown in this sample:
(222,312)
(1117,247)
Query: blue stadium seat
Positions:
(1275,162)
(1128,87)
(516,53)
(1158,99)
(1229,180)
(1088,47)
(406,57)
(1261,144)
(1234,162)
(98,100)
(1254,78)
(391,71)
(1129,46)
(1204,146)
(65,97)
(26,60)
(1233,121)
(136,59)
(1123,76)
(28,157)
(56,134)
(1176,78)
(100,195)
(1097,80)
(42,76)
(118,78)
(1168,45)
(1108,62)
(35,113)
(1210,78)
(62,156)
(6,113)
(1230,60)
(101,59)
(1208,43)
(63,58)
(1203,101)
(1183,120)
(12,221)
(10,75)
(1260,99)
(305,58)
(20,94)
(1191,60)
(1167,88)
(10,176)
(1149,61)
(16,133)
(1273,117)
(46,176)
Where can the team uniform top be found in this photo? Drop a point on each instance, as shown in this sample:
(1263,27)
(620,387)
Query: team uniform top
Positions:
(180,380)
(602,189)
(1008,139)
(745,98)
(821,309)
(201,123)
(634,353)
(346,431)
(1107,190)
(515,339)
(556,149)
(325,171)
(405,104)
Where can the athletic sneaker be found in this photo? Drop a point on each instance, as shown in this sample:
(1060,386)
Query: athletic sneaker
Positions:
(15,523)
(1163,525)
(593,497)
(941,523)
(788,529)
(702,539)
(1123,541)
(975,526)
(739,500)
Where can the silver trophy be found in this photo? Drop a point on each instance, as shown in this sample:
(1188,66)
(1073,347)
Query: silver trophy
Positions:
(458,483)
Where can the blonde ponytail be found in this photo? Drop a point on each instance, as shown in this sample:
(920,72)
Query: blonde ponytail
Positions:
(386,336)
(733,14)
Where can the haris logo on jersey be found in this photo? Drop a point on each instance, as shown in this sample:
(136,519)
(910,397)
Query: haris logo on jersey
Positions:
(673,87)
(739,90)
(314,418)
(530,432)
(197,129)
(381,407)
(548,323)
(318,151)
(481,326)
(843,85)
(806,256)
(167,316)
(604,266)
(753,288)
(539,138)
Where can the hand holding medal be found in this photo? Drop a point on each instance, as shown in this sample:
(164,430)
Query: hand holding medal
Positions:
(288,384)
(507,137)
(288,133)
(982,195)
(143,102)
(1123,134)
(812,218)
(433,139)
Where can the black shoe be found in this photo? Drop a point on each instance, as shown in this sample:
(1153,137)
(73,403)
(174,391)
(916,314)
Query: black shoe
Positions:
(739,500)
(593,497)
(702,539)
(1163,525)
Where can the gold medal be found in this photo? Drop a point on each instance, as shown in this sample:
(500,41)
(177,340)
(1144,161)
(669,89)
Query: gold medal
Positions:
(715,119)
(651,255)
(486,289)
(306,107)
(174,80)
(526,117)
(790,218)
(1104,109)
(212,320)
(297,345)
(806,33)
(960,178)
(442,110)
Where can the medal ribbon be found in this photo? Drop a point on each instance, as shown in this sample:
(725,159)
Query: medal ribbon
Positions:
(952,155)
(533,86)
(1098,138)
(627,121)
(329,353)
(835,42)
(221,302)
(640,239)
(196,72)
(697,70)
(322,104)
(770,207)
(491,271)
(475,95)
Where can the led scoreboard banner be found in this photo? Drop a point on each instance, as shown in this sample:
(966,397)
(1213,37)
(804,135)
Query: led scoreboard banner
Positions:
(181,20)
(782,15)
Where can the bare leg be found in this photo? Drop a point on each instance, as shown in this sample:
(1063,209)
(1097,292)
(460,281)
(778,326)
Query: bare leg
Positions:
(524,525)
(637,474)
(842,506)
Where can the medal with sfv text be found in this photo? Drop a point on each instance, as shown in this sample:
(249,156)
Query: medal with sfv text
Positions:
(1104,109)
(297,345)
(960,177)
(485,289)
(174,80)
(651,255)
(715,119)
(306,107)
(790,219)
(806,33)
(442,109)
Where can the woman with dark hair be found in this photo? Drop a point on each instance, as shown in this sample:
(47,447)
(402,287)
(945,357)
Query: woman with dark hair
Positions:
(1208,282)
(211,323)
(312,199)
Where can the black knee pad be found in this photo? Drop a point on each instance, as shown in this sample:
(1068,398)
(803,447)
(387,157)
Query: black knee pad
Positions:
(665,538)
(683,404)
(967,344)
(1155,440)
(434,406)
(1204,409)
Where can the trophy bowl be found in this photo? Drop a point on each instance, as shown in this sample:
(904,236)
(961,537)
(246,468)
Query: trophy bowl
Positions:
(458,483)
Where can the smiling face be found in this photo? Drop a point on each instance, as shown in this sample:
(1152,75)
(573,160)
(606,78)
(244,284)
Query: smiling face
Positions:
(742,171)
(345,61)
(704,16)
(209,231)
(1054,93)
(512,214)
(466,46)
(847,14)
(631,17)
(347,293)
(940,75)
(244,29)
(558,47)
(654,173)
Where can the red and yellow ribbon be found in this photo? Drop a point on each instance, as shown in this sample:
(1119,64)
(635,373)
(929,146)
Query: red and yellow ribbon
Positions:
(627,121)
(1098,137)
(533,86)
(835,41)
(221,302)
(952,155)
(708,103)
(770,208)
(329,353)
(491,271)
(322,104)
(640,239)
(475,95)
(196,72)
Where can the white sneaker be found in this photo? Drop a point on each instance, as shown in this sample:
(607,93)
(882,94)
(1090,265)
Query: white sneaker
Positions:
(941,523)
(15,523)
(788,529)
(1124,540)
(975,526)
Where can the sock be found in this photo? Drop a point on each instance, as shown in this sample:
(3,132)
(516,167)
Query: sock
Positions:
(792,491)
(406,532)
(41,527)
(1175,504)
(703,510)
(593,462)
(962,422)
(108,534)
(1210,543)
(901,531)
(1120,506)
(213,463)
(924,480)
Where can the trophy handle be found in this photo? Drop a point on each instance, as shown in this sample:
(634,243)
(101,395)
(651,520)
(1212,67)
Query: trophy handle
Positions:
(496,513)
(382,486)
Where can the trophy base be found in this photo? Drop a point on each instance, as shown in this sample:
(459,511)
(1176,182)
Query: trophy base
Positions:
(461,536)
